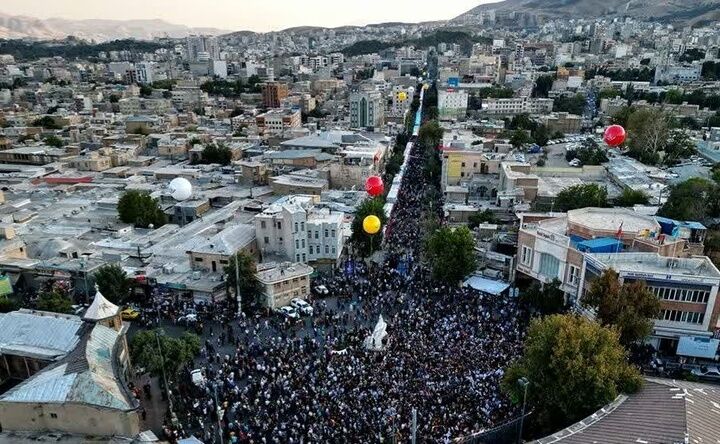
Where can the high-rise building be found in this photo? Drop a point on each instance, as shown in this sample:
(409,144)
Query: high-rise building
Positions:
(273,93)
(366,109)
(202,48)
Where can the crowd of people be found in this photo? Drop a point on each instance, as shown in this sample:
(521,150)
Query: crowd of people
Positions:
(315,382)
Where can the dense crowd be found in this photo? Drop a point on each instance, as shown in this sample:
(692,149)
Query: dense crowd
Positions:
(444,355)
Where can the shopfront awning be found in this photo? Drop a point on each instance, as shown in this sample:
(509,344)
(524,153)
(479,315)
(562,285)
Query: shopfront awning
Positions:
(698,347)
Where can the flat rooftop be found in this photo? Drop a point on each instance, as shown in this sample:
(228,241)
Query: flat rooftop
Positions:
(610,219)
(656,264)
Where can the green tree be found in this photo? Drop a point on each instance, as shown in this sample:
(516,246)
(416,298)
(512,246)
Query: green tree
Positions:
(145,90)
(140,209)
(213,153)
(451,253)
(581,196)
(623,116)
(573,105)
(630,197)
(54,300)
(541,135)
(250,287)
(151,349)
(651,138)
(544,299)
(482,217)
(574,366)
(629,307)
(543,85)
(519,138)
(364,243)
(113,283)
(7,305)
(46,122)
(696,199)
(430,134)
(54,141)
(590,153)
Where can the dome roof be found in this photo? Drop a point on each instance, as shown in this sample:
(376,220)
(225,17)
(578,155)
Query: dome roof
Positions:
(100,308)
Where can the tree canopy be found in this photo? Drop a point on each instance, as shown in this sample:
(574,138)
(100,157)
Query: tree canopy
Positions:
(213,153)
(250,287)
(544,299)
(652,138)
(581,196)
(630,197)
(589,153)
(55,297)
(175,353)
(113,283)
(140,209)
(574,366)
(451,253)
(630,307)
(696,199)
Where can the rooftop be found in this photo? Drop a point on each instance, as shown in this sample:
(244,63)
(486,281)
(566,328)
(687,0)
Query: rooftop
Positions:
(38,334)
(699,266)
(227,242)
(269,273)
(610,219)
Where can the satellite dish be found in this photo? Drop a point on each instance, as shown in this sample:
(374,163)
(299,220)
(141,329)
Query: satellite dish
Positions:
(180,188)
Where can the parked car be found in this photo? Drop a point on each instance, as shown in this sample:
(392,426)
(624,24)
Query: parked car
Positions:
(321,290)
(301,306)
(129,314)
(575,163)
(288,312)
(707,372)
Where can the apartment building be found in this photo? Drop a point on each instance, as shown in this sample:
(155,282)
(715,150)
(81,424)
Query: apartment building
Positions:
(517,105)
(293,228)
(278,120)
(452,104)
(213,253)
(366,109)
(273,93)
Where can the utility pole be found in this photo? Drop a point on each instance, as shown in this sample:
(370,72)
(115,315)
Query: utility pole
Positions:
(414,425)
(524,383)
(162,363)
(238,298)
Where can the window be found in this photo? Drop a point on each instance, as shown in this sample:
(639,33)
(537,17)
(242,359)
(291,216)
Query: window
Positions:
(303,243)
(262,224)
(297,243)
(198,259)
(304,258)
(474,164)
(311,249)
(526,258)
(297,258)
(317,234)
(332,232)
(574,275)
(327,249)
(549,265)
(223,261)
(296,227)
(326,233)
(279,225)
(309,234)
(267,240)
(53,415)
(280,240)
(333,250)
(302,226)
(462,164)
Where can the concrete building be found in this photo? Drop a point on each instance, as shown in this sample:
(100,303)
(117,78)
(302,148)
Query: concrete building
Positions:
(202,48)
(565,123)
(273,93)
(472,169)
(293,228)
(366,109)
(673,74)
(452,104)
(278,120)
(298,183)
(282,282)
(213,252)
(518,105)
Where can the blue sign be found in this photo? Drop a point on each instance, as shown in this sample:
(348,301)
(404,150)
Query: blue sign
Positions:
(453,82)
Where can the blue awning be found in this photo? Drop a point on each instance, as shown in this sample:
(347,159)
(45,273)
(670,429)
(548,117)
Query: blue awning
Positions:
(485,285)
(698,347)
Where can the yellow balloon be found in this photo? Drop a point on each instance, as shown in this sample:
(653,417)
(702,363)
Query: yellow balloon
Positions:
(402,95)
(371,224)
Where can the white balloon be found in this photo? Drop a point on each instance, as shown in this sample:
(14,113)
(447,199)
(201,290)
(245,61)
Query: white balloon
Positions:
(180,188)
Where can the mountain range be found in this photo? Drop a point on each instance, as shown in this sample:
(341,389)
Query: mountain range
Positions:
(684,12)
(21,27)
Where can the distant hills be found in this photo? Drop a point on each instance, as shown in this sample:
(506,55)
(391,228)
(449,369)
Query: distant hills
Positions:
(22,27)
(685,12)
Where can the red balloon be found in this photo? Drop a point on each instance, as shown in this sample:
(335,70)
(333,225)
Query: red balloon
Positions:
(615,135)
(374,186)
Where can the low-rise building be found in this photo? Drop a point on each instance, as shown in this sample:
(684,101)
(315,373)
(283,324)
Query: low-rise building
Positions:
(452,104)
(213,253)
(282,282)
(278,120)
(517,105)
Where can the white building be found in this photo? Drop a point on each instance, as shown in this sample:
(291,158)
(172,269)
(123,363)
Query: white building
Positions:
(202,48)
(366,109)
(293,228)
(452,104)
(517,105)
(677,73)
(148,72)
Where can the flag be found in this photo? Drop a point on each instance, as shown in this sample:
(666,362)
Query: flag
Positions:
(619,231)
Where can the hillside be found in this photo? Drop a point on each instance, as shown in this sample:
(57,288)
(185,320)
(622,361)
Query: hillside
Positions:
(670,11)
(23,27)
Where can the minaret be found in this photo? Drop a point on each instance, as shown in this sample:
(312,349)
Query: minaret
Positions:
(103,312)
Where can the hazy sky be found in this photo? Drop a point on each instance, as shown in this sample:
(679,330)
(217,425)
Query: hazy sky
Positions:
(256,15)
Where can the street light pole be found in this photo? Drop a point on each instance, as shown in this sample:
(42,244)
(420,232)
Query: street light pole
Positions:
(238,298)
(524,383)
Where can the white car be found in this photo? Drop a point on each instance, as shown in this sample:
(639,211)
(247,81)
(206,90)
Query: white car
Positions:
(288,312)
(321,290)
(706,372)
(197,377)
(301,306)
(575,163)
